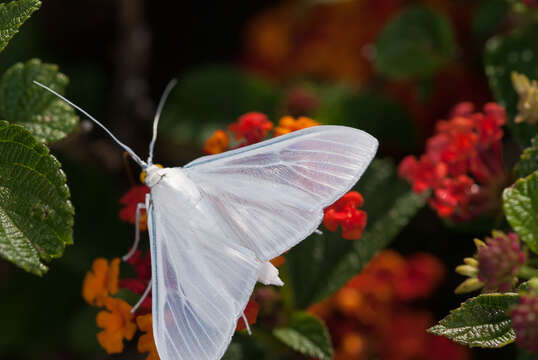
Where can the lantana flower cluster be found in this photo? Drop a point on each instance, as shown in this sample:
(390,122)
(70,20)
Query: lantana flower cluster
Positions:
(251,128)
(462,165)
(372,316)
(115,319)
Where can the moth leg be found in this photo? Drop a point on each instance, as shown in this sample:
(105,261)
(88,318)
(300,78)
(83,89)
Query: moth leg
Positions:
(142,298)
(246,323)
(318,232)
(139,208)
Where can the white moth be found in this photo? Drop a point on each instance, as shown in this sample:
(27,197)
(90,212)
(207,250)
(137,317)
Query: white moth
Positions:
(215,223)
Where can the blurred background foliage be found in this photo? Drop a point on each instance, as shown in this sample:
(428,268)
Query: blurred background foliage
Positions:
(391,67)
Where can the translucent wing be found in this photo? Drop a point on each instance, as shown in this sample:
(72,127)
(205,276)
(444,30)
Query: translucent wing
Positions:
(270,196)
(200,285)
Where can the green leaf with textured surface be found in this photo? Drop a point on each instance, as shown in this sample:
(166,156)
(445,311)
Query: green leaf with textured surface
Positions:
(212,97)
(12,16)
(21,101)
(517,51)
(482,321)
(306,334)
(528,163)
(321,264)
(415,44)
(36,216)
(520,205)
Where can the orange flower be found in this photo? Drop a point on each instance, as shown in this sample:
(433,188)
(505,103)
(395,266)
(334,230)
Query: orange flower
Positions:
(217,143)
(146,342)
(352,346)
(348,300)
(278,261)
(288,124)
(251,313)
(117,324)
(136,195)
(101,281)
(344,212)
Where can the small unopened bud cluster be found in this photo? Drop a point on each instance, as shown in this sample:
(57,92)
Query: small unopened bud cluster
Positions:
(495,264)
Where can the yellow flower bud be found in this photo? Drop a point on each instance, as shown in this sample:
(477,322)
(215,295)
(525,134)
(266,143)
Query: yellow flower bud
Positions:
(469,285)
(528,98)
(467,270)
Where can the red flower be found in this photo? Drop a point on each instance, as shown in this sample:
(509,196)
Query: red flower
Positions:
(441,348)
(137,194)
(453,195)
(463,156)
(344,212)
(253,127)
(142,266)
(463,109)
(251,313)
(424,174)
(525,321)
(407,336)
(489,125)
(422,275)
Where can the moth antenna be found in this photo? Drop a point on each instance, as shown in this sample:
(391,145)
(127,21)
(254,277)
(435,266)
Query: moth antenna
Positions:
(125,147)
(160,107)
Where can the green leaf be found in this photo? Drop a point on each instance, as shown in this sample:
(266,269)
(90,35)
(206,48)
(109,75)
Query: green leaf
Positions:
(369,111)
(528,163)
(212,97)
(321,264)
(520,204)
(415,44)
(489,15)
(481,321)
(234,352)
(36,216)
(46,116)
(524,286)
(307,335)
(380,233)
(259,346)
(517,51)
(12,16)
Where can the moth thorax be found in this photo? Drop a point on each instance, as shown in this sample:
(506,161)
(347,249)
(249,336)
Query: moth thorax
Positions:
(152,175)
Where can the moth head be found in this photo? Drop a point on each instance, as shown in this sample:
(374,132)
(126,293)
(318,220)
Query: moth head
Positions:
(149,173)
